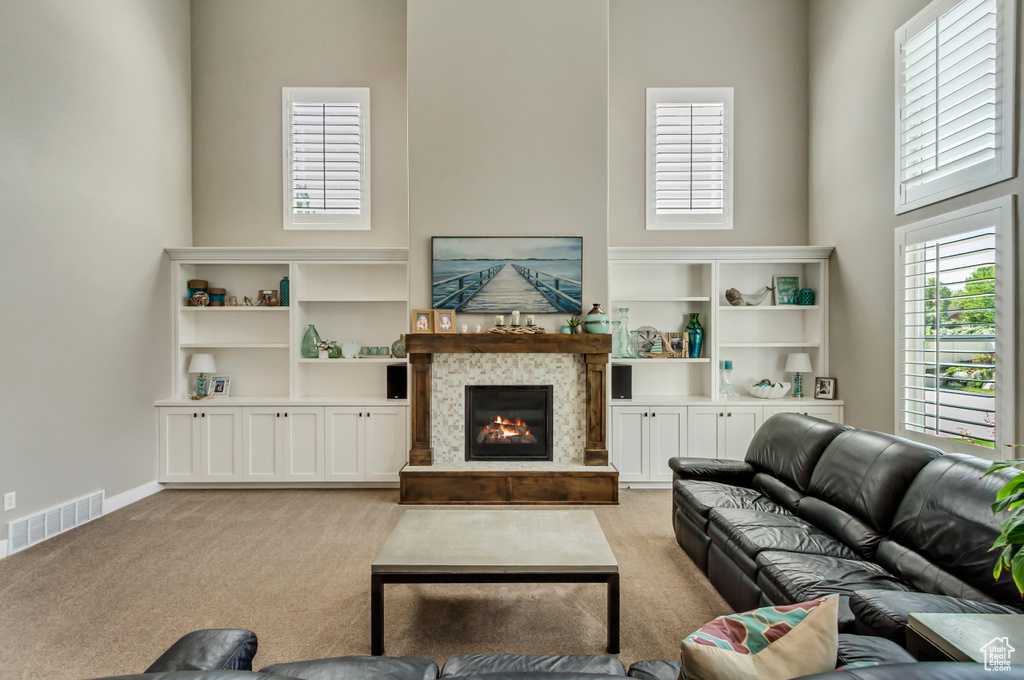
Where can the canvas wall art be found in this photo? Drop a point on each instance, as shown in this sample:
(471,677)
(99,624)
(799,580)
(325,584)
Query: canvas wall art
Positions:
(531,274)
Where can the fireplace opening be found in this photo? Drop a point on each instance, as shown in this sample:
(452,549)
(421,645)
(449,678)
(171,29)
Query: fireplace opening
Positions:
(509,422)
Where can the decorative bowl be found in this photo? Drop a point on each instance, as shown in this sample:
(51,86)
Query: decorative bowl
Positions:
(776,391)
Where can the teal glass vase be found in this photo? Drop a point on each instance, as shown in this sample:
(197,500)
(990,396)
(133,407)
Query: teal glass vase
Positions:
(596,321)
(285,291)
(696,336)
(309,342)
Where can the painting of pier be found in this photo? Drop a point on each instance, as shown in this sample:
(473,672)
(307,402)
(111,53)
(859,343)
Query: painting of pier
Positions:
(535,275)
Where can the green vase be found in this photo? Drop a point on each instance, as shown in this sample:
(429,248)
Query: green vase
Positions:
(309,341)
(596,321)
(334,352)
(696,333)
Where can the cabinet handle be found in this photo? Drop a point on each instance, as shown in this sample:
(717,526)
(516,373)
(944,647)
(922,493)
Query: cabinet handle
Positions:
(195,415)
(278,415)
(730,414)
(654,415)
(286,414)
(204,415)
(367,414)
(721,415)
(360,414)
(645,415)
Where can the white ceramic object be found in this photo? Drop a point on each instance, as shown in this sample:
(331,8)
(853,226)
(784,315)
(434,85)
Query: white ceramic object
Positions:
(350,349)
(776,391)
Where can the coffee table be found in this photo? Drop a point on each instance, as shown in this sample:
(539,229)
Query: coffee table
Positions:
(495,546)
(962,637)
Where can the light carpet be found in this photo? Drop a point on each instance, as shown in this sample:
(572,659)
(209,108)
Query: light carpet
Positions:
(294,566)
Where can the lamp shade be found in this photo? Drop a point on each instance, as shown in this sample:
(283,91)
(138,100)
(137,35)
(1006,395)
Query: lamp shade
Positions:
(202,363)
(798,362)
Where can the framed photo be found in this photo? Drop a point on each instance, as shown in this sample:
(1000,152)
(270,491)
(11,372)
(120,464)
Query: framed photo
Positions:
(786,289)
(444,320)
(824,388)
(266,296)
(422,321)
(220,386)
(535,274)
(676,345)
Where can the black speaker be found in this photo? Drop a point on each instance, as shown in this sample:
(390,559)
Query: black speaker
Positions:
(398,381)
(622,381)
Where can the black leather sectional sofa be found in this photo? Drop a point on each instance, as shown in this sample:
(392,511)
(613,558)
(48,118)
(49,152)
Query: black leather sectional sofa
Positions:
(893,526)
(228,655)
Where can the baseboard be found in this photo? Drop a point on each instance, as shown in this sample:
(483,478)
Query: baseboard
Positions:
(130,496)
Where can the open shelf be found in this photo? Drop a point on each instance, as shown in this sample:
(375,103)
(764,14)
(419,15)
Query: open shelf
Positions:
(641,361)
(657,298)
(367,360)
(738,345)
(352,299)
(234,308)
(234,345)
(770,308)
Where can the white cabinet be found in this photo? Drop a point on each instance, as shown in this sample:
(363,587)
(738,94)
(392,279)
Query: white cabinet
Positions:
(283,444)
(644,438)
(818,410)
(200,444)
(722,431)
(365,443)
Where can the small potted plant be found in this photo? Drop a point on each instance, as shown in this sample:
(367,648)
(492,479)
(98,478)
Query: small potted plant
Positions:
(1010,499)
(324,348)
(575,325)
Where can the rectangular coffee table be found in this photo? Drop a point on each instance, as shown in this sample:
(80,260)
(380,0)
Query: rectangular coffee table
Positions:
(495,546)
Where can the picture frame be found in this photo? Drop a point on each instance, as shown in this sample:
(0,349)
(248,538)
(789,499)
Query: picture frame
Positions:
(825,388)
(266,296)
(787,288)
(422,321)
(444,320)
(675,345)
(220,386)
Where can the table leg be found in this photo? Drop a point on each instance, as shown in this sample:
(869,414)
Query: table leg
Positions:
(613,614)
(376,615)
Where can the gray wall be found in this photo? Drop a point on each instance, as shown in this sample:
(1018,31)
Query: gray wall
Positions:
(94,164)
(508,127)
(758,47)
(852,104)
(243,53)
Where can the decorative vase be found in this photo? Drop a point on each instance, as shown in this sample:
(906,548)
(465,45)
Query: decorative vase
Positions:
(334,352)
(616,339)
(696,333)
(578,330)
(805,297)
(398,348)
(596,321)
(627,348)
(285,290)
(566,330)
(309,341)
(322,353)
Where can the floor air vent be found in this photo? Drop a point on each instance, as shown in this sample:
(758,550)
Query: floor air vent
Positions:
(38,527)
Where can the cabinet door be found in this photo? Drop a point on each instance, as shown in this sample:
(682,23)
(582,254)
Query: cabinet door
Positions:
(302,444)
(741,422)
(384,446)
(221,431)
(705,431)
(630,442)
(179,445)
(261,453)
(668,439)
(343,441)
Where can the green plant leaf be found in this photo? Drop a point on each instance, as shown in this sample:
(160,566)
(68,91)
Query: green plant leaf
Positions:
(1013,485)
(1009,502)
(1018,571)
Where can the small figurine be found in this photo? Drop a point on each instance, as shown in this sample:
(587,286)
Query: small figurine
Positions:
(233,301)
(247,301)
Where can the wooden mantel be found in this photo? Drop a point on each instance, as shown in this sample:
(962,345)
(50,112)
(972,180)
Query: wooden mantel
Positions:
(595,349)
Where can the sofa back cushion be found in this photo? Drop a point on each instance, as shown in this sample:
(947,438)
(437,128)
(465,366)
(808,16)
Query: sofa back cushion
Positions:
(946,518)
(788,446)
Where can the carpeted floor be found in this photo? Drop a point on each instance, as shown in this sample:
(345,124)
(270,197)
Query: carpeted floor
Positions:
(294,566)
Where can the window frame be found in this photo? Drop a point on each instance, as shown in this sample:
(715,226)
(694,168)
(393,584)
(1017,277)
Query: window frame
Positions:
(689,95)
(1003,166)
(1000,214)
(329,95)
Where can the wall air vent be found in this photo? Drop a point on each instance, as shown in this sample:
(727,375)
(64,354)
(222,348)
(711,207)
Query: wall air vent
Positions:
(30,530)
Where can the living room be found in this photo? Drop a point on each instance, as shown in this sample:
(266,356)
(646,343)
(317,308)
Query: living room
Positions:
(161,124)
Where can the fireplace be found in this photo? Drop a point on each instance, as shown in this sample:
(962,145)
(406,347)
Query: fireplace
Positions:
(509,422)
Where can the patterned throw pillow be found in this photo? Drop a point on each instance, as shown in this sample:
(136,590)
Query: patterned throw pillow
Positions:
(771,643)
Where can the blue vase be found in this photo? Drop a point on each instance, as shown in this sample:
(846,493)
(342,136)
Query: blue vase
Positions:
(696,333)
(596,321)
(285,290)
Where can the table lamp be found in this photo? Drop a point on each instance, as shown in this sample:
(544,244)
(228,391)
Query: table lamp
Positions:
(798,363)
(202,364)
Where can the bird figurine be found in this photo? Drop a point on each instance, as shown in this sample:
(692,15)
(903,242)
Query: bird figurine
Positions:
(738,299)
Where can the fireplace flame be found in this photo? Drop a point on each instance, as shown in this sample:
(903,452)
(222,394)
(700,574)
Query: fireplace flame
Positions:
(511,431)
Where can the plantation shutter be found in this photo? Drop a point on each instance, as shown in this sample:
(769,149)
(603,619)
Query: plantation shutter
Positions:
(326,156)
(948,353)
(951,90)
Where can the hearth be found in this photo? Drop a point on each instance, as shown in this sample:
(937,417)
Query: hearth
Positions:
(509,422)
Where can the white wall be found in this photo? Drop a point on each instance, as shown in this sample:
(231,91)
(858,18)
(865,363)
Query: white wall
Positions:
(243,53)
(758,47)
(508,127)
(852,102)
(94,170)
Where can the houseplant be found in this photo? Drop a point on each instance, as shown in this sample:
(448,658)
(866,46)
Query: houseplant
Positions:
(1010,499)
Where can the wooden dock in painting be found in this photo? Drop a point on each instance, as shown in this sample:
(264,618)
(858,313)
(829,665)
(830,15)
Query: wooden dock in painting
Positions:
(505,287)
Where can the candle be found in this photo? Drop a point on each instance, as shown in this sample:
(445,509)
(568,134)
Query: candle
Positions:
(515,317)
(478,328)
(499,320)
(531,320)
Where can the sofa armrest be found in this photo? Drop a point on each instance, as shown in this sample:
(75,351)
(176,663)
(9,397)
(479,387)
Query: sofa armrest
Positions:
(357,667)
(735,472)
(919,671)
(885,612)
(208,650)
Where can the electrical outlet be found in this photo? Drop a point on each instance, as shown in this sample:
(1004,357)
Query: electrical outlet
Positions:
(8,501)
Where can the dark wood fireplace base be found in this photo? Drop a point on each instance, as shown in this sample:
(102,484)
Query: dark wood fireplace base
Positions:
(424,485)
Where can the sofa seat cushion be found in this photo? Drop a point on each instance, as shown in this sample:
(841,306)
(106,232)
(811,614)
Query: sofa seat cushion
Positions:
(357,668)
(655,670)
(463,665)
(742,533)
(697,499)
(787,577)
(885,612)
(868,649)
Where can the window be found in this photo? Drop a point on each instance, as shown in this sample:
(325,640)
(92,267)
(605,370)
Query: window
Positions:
(955,329)
(689,168)
(954,100)
(326,157)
